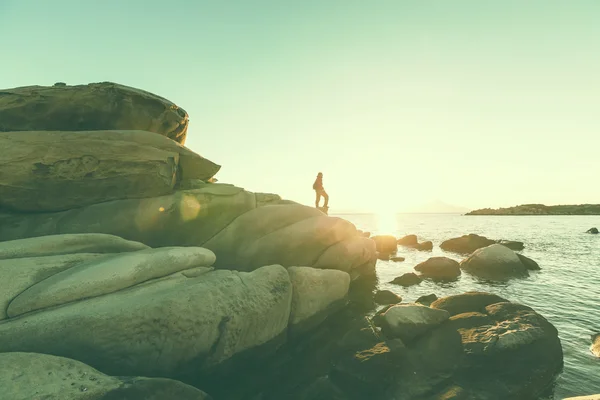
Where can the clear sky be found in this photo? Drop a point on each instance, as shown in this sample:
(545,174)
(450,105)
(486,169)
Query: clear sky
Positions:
(477,103)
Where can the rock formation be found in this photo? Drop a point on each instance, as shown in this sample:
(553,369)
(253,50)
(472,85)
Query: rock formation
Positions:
(439,268)
(494,262)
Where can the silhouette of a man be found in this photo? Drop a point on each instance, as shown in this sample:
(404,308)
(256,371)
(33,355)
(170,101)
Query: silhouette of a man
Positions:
(320,191)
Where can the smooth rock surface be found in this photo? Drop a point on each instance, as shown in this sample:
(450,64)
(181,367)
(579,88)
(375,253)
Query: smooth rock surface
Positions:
(407,279)
(33,376)
(529,263)
(439,268)
(467,302)
(96,106)
(172,324)
(494,262)
(386,297)
(315,291)
(54,171)
(408,240)
(108,274)
(512,244)
(426,300)
(57,244)
(407,321)
(19,274)
(466,244)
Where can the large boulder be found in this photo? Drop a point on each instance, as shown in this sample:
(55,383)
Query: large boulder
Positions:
(97,106)
(494,262)
(315,294)
(596,345)
(192,320)
(407,321)
(54,171)
(467,302)
(27,376)
(439,268)
(385,244)
(222,218)
(466,244)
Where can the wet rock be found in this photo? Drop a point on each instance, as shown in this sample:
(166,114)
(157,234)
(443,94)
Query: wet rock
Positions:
(466,244)
(528,263)
(427,299)
(385,244)
(467,302)
(386,297)
(407,321)
(494,262)
(439,268)
(424,246)
(512,244)
(593,231)
(408,279)
(408,240)
(397,259)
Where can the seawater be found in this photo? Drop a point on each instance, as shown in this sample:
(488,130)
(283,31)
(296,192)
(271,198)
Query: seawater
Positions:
(566,291)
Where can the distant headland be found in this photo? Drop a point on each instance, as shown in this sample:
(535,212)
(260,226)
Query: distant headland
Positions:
(541,209)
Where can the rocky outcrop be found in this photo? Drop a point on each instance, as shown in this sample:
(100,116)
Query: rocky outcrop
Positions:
(158,328)
(386,297)
(494,262)
(97,106)
(315,294)
(408,240)
(220,217)
(595,345)
(407,321)
(27,376)
(385,244)
(466,244)
(439,268)
(593,231)
(408,279)
(55,171)
(528,263)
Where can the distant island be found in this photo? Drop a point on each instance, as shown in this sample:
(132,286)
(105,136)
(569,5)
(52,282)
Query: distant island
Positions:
(541,209)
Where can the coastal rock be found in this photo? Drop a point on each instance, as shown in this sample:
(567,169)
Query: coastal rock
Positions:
(53,245)
(383,256)
(407,321)
(408,240)
(54,171)
(315,294)
(100,276)
(26,376)
(424,246)
(427,299)
(596,345)
(593,231)
(386,297)
(494,262)
(153,329)
(397,259)
(97,106)
(512,244)
(439,268)
(408,279)
(467,302)
(466,244)
(385,244)
(528,263)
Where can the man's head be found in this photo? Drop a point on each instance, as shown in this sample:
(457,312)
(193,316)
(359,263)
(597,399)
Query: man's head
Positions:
(320,175)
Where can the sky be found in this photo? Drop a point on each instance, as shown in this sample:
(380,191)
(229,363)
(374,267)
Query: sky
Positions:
(399,103)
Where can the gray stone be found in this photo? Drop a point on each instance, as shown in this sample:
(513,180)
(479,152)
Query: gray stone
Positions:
(108,274)
(426,300)
(162,326)
(315,292)
(27,376)
(466,244)
(494,262)
(408,240)
(386,297)
(408,321)
(92,107)
(528,263)
(439,268)
(55,171)
(467,302)
(408,279)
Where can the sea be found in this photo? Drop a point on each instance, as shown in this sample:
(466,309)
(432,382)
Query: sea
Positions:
(566,290)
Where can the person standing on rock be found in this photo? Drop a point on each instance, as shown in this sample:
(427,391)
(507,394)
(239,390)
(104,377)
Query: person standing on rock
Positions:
(320,191)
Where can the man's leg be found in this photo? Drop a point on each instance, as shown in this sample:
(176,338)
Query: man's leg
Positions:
(326,197)
(318,198)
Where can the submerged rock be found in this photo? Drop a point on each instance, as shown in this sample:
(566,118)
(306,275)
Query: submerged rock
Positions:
(386,297)
(26,376)
(55,171)
(97,106)
(439,268)
(408,279)
(494,262)
(466,244)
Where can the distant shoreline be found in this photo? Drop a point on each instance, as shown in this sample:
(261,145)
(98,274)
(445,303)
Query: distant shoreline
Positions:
(541,209)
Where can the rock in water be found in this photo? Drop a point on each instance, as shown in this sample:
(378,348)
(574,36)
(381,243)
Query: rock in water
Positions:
(466,244)
(407,279)
(97,106)
(494,262)
(467,302)
(596,345)
(385,244)
(427,299)
(54,171)
(529,263)
(439,268)
(386,297)
(512,244)
(408,240)
(593,231)
(407,321)
(26,376)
